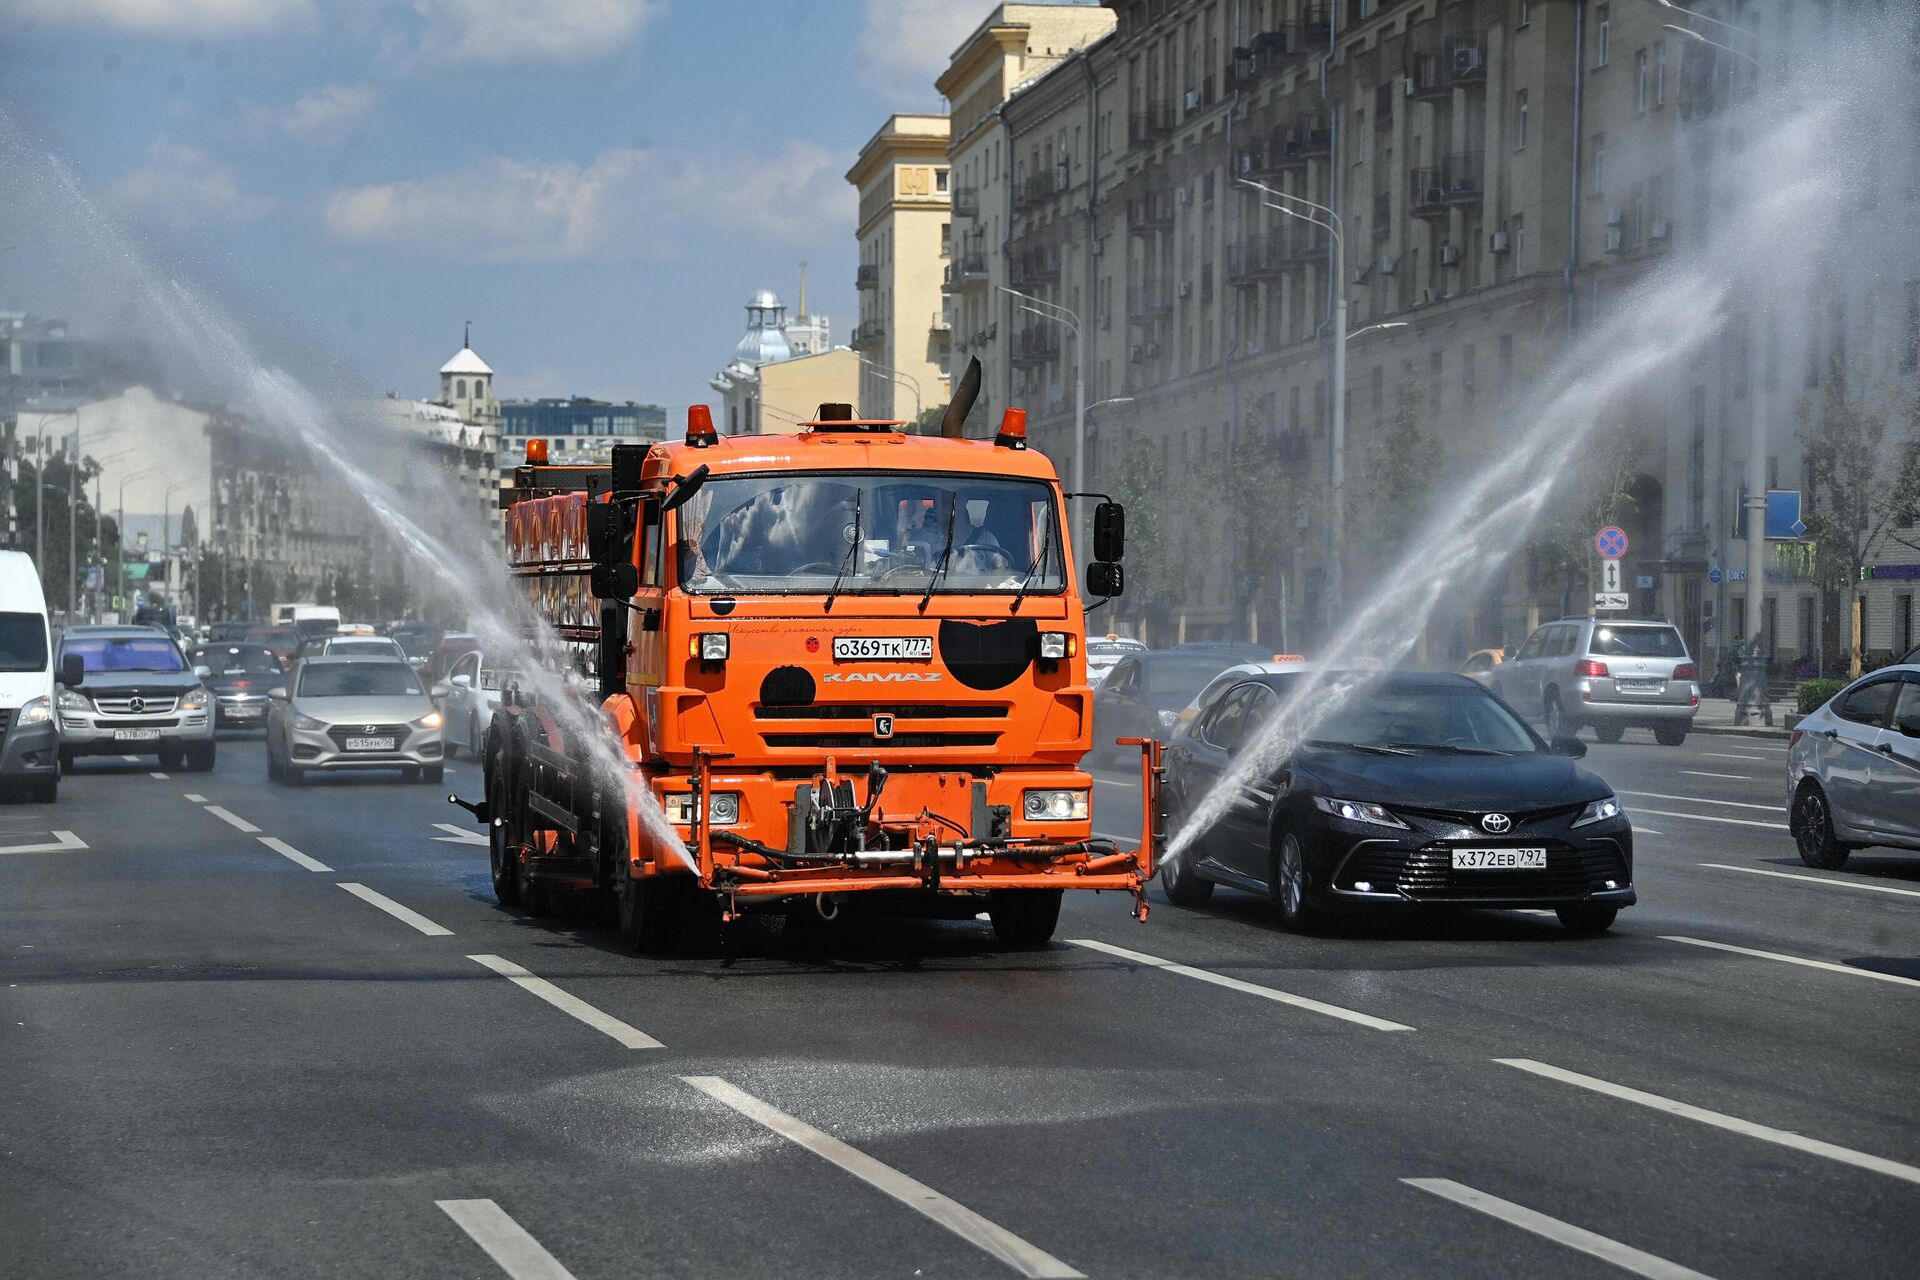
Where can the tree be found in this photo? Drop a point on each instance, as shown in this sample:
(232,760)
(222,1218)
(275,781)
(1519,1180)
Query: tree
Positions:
(1156,577)
(1386,509)
(1560,554)
(91,534)
(1257,490)
(928,423)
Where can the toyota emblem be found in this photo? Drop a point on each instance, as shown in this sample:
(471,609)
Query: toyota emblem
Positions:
(136,704)
(1497,823)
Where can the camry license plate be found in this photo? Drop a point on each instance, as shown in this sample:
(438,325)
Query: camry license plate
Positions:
(136,735)
(369,744)
(882,648)
(1499,859)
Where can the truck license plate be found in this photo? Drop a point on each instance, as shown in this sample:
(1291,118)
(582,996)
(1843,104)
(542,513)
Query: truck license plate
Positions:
(136,735)
(369,744)
(1499,859)
(882,648)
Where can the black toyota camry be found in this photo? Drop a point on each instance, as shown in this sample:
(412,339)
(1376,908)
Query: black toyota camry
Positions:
(1413,789)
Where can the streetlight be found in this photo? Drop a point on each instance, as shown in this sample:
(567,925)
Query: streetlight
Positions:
(1329,221)
(886,372)
(120,522)
(99,524)
(1061,315)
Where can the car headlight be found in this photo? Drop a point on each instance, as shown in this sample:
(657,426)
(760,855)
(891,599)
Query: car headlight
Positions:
(35,711)
(1357,811)
(1054,806)
(195,700)
(1605,809)
(68,700)
(723,808)
(1168,719)
(307,724)
(431,720)
(1055,646)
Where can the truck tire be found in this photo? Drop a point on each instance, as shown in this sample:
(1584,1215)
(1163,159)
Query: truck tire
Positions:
(501,859)
(1024,917)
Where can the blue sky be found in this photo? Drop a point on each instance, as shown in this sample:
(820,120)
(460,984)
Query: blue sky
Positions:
(596,184)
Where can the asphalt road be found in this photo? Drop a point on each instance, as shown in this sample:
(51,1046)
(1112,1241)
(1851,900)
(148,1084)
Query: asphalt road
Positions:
(251,1031)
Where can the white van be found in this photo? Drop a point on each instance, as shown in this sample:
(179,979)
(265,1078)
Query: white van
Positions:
(29,742)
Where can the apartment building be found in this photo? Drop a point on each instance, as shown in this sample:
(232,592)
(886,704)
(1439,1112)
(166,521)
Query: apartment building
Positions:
(905,230)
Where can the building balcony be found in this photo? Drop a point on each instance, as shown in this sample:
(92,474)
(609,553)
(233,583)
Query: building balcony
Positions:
(867,276)
(966,202)
(1269,255)
(1439,59)
(1151,124)
(1150,301)
(966,269)
(1435,191)
(1037,188)
(1150,211)
(1290,42)
(867,333)
(1031,264)
(1036,344)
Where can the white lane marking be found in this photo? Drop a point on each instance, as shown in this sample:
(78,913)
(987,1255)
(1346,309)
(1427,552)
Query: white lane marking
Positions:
(1729,804)
(506,1241)
(1703,817)
(131,759)
(1722,755)
(1623,1256)
(1730,777)
(406,915)
(1732,1124)
(1025,1258)
(61,842)
(159,775)
(196,798)
(293,855)
(234,819)
(1828,965)
(1248,988)
(572,1005)
(458,835)
(1837,884)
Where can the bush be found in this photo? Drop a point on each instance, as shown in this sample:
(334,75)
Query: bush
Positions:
(1814,693)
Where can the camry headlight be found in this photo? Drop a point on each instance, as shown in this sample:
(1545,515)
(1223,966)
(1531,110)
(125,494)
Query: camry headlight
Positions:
(1357,811)
(71,701)
(1605,809)
(1054,806)
(431,720)
(195,700)
(307,724)
(723,808)
(36,711)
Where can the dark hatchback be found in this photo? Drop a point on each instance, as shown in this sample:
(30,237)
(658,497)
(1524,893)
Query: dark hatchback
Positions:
(239,676)
(1416,790)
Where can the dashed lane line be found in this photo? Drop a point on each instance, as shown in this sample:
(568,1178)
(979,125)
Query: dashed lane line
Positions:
(1730,777)
(1719,1120)
(1828,965)
(571,1005)
(293,855)
(1836,884)
(62,842)
(157,774)
(1722,755)
(1246,988)
(1626,1257)
(1729,804)
(505,1241)
(232,819)
(195,797)
(997,1241)
(406,915)
(1636,810)
(131,759)
(458,835)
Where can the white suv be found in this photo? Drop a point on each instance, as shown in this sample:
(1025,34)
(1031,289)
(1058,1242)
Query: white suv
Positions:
(1613,674)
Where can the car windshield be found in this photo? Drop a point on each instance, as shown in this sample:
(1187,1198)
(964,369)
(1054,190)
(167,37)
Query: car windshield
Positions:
(369,644)
(414,641)
(1424,717)
(359,680)
(23,642)
(788,534)
(125,653)
(1180,675)
(237,662)
(1638,642)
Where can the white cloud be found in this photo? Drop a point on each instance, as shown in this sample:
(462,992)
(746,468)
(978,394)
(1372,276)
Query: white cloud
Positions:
(325,117)
(624,201)
(905,44)
(520,31)
(187,187)
(174,17)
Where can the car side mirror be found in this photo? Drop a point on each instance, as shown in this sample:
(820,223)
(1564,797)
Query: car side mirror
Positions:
(1571,747)
(438,692)
(278,693)
(1106,578)
(614,581)
(203,671)
(73,670)
(1109,533)
(462,681)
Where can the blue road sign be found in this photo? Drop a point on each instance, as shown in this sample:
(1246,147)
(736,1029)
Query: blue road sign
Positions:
(1783,516)
(1714,575)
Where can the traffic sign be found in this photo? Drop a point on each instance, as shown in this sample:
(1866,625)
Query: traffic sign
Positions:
(1611,542)
(1714,575)
(1610,600)
(1610,576)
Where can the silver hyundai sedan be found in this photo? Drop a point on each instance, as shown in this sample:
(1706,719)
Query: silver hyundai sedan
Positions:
(350,713)
(1853,770)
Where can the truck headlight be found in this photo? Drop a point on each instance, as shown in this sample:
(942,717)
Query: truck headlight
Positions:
(710,646)
(196,700)
(1605,809)
(36,711)
(68,700)
(1054,806)
(723,808)
(1357,811)
(1055,646)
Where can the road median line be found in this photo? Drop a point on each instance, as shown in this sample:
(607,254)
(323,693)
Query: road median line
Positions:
(1719,1120)
(1728,804)
(1707,817)
(1829,965)
(508,1243)
(232,819)
(1626,1257)
(571,1005)
(1024,1258)
(293,855)
(406,915)
(1790,875)
(1245,988)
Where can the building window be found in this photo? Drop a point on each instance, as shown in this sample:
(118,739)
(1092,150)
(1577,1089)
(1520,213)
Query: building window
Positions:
(1526,13)
(1642,83)
(1602,34)
(1520,120)
(1599,164)
(1660,73)
(460,389)
(940,180)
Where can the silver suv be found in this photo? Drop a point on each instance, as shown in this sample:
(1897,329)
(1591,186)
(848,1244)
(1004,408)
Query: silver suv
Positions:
(1610,673)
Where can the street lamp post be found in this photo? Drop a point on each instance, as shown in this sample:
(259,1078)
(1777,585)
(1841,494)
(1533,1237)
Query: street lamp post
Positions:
(906,380)
(120,521)
(1062,315)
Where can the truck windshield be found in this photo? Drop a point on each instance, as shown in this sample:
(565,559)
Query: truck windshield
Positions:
(23,642)
(795,534)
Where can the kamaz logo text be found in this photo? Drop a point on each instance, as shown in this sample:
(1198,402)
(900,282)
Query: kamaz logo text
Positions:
(880,677)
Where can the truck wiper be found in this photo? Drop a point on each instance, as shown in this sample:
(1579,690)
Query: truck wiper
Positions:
(946,552)
(1046,541)
(852,551)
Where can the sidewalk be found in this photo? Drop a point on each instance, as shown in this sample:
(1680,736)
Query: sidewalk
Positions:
(1716,716)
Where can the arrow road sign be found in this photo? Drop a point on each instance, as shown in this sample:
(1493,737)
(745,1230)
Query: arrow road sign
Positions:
(1610,576)
(1611,542)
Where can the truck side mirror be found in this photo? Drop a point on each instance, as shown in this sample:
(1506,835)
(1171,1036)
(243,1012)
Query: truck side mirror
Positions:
(603,518)
(1106,578)
(614,581)
(73,670)
(685,489)
(1110,533)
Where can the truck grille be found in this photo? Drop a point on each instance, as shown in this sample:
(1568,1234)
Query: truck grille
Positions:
(150,704)
(1428,874)
(866,711)
(341,732)
(855,741)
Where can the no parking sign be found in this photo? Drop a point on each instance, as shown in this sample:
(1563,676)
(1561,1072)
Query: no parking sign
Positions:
(1611,542)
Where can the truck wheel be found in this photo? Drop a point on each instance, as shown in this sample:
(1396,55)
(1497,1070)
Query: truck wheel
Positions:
(647,912)
(200,757)
(500,855)
(1024,917)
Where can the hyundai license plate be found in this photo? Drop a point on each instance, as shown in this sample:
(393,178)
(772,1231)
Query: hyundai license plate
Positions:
(369,744)
(882,648)
(1499,859)
(136,735)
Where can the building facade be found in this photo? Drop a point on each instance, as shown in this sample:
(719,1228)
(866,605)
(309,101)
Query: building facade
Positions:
(903,336)
(577,429)
(746,388)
